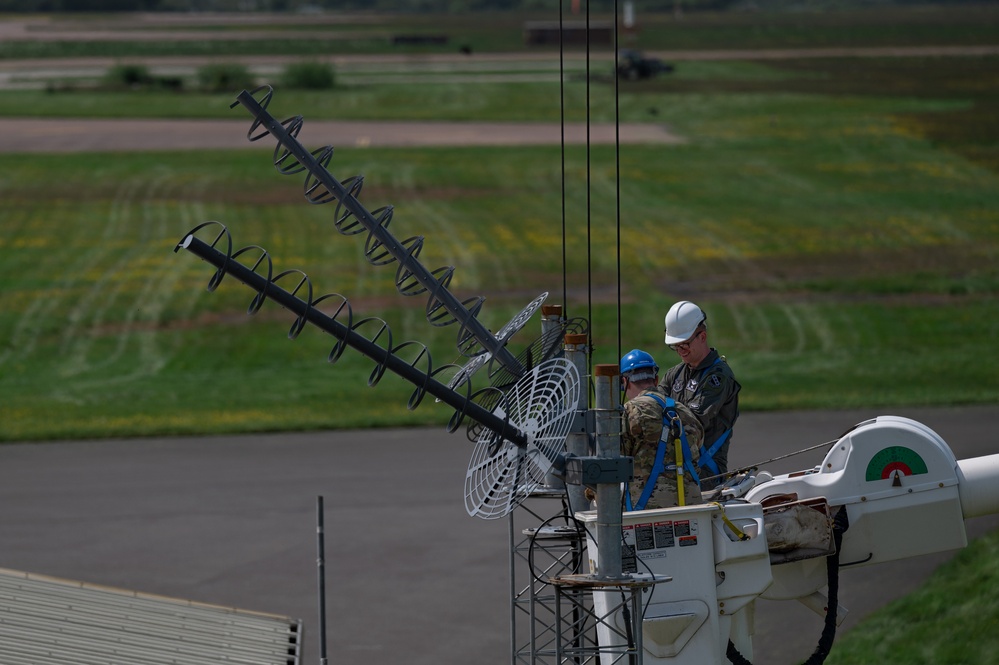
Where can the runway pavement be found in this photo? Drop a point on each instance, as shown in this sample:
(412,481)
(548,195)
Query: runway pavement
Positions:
(73,135)
(410,577)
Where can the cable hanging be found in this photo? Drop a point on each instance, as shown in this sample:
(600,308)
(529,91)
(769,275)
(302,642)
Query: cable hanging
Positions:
(617,177)
(589,171)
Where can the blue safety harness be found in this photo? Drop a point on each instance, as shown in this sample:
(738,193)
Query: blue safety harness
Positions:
(707,458)
(670,417)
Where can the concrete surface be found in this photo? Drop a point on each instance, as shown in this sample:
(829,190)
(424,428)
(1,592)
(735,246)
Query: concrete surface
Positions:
(410,577)
(69,135)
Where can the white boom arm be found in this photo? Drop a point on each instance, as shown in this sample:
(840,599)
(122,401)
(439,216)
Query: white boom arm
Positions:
(903,492)
(978,484)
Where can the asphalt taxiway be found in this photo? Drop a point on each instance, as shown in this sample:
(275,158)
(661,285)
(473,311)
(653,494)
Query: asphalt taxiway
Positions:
(410,577)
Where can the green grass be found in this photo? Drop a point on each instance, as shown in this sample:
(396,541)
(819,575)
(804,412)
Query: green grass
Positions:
(837,218)
(871,26)
(365,33)
(952,102)
(950,620)
(485,32)
(759,220)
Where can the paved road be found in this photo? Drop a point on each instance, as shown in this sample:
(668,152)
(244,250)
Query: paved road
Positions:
(231,520)
(68,135)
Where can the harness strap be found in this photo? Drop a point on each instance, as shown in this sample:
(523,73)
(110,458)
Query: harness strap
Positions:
(659,467)
(681,500)
(688,459)
(739,533)
(707,457)
(650,485)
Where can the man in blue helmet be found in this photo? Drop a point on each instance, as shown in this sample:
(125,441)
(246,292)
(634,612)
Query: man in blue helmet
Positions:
(704,382)
(656,431)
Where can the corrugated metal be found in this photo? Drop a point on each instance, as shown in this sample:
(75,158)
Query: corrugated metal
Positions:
(47,620)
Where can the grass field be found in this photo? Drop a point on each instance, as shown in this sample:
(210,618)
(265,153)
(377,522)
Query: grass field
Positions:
(837,218)
(948,620)
(885,24)
(833,249)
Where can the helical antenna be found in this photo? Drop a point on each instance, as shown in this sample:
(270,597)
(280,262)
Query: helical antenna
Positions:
(380,247)
(371,336)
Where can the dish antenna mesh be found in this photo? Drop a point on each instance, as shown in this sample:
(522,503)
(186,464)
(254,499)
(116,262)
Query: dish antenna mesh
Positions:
(542,405)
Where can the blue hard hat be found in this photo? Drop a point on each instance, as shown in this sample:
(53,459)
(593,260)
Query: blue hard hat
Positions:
(637,359)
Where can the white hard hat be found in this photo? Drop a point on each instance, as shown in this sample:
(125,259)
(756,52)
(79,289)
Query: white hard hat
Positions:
(682,320)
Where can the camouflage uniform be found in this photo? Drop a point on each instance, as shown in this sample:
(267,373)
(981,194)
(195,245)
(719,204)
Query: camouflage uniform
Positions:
(641,431)
(712,393)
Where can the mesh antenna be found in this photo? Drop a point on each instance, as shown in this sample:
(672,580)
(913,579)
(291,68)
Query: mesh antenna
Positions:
(501,474)
(544,347)
(506,332)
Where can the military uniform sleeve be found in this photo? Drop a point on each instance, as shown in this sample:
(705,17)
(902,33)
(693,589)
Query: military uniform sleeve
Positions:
(641,425)
(714,391)
(628,440)
(666,383)
(692,428)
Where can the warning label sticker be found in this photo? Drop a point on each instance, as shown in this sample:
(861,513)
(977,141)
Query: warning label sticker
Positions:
(644,537)
(659,535)
(663,532)
(652,540)
(629,562)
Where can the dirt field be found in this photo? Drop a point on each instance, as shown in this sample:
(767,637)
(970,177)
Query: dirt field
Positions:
(73,135)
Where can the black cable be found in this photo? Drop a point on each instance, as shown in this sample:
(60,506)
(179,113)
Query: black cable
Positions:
(840,524)
(561,84)
(754,467)
(580,529)
(638,560)
(589,260)
(734,656)
(617,175)
(626,615)
(577,561)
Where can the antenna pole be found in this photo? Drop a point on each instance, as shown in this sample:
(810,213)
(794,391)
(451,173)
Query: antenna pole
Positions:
(608,445)
(321,564)
(577,443)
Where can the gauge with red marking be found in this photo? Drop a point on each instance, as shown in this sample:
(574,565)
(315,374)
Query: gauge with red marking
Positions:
(895,458)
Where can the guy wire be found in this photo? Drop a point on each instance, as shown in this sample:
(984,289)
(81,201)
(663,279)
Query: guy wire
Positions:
(589,259)
(617,175)
(757,465)
(561,92)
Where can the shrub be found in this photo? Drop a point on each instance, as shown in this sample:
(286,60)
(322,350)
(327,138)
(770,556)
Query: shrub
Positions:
(309,76)
(225,77)
(128,76)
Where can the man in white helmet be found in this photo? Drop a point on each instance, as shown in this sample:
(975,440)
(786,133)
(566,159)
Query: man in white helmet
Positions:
(705,383)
